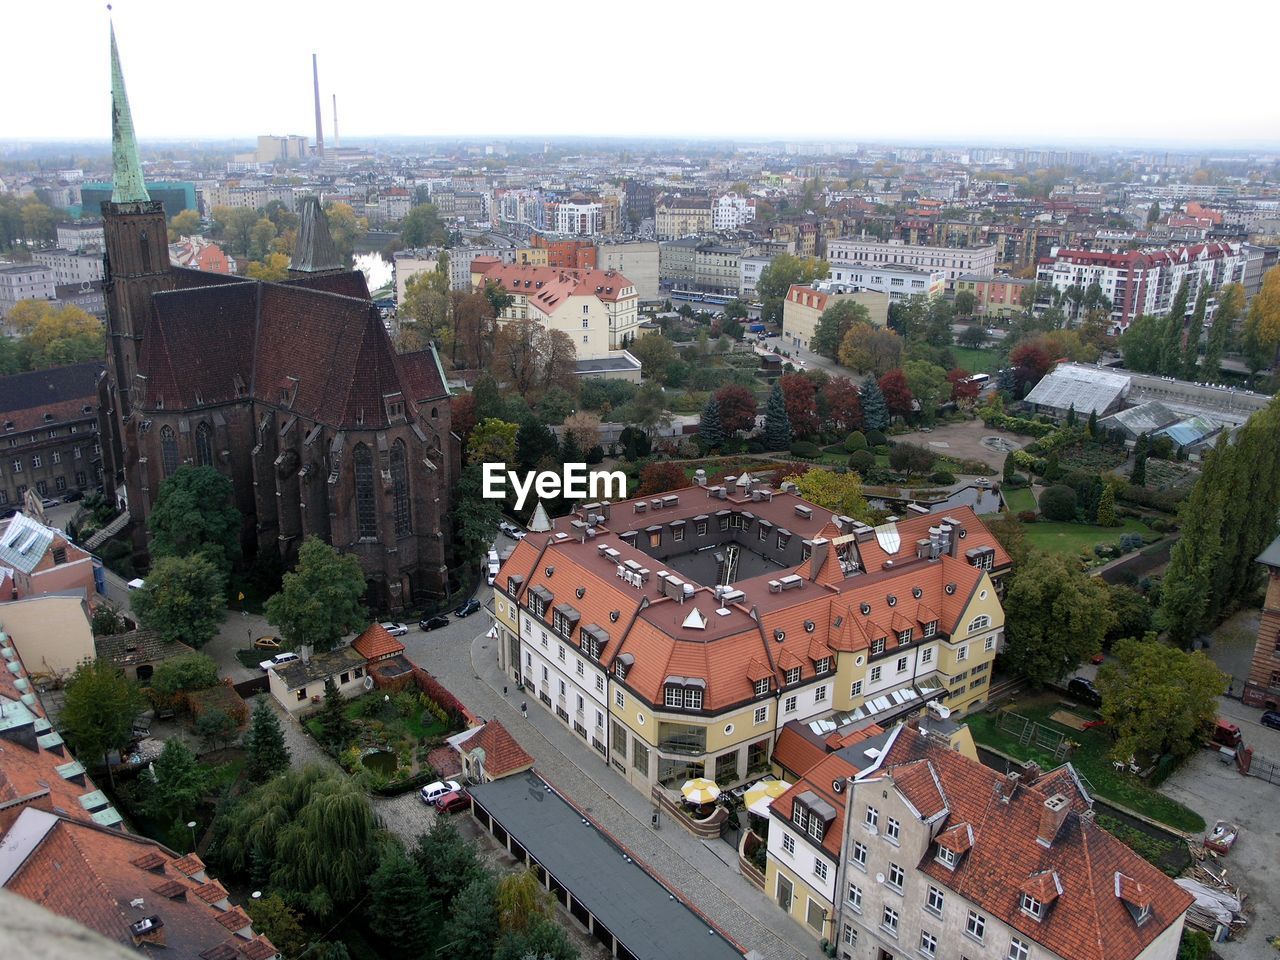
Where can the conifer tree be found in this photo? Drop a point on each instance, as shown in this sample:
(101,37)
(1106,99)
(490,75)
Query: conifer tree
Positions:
(1171,339)
(333,718)
(1138,476)
(570,450)
(1107,507)
(710,426)
(1071,415)
(777,425)
(1191,352)
(265,746)
(1093,423)
(875,412)
(1230,305)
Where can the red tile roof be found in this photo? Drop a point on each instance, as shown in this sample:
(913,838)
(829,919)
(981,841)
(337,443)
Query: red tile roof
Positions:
(376,644)
(502,755)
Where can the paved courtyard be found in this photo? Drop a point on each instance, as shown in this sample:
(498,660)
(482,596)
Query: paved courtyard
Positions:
(964,441)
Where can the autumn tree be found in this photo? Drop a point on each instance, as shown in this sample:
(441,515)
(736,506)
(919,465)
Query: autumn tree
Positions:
(928,384)
(654,351)
(273,267)
(529,358)
(425,312)
(1030,361)
(800,398)
(53,336)
(185,223)
(870,349)
(963,391)
(492,441)
(838,492)
(776,279)
(896,393)
(660,477)
(471,319)
(1055,617)
(345,228)
(1262,327)
(834,324)
(583,424)
(737,408)
(841,405)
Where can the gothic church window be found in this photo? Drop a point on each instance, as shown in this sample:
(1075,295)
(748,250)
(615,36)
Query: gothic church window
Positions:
(168,451)
(204,445)
(400,488)
(366,507)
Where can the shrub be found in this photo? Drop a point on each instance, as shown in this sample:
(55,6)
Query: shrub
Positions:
(595,454)
(882,449)
(1058,503)
(855,441)
(755,446)
(875,438)
(942,476)
(1015,480)
(863,462)
(1027,516)
(805,450)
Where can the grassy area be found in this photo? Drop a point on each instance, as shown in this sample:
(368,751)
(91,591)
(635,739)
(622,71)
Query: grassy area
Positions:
(977,361)
(1090,758)
(1058,537)
(1019,498)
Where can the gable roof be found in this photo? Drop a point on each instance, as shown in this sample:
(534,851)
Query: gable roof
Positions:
(375,643)
(62,392)
(502,755)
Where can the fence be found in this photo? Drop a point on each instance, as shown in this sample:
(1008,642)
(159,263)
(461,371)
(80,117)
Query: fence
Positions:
(1262,768)
(1028,733)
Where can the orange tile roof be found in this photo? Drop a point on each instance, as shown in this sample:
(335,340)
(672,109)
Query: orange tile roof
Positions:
(376,644)
(549,287)
(502,755)
(820,780)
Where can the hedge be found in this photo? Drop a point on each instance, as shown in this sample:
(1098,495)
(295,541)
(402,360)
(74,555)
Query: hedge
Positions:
(805,450)
(1003,421)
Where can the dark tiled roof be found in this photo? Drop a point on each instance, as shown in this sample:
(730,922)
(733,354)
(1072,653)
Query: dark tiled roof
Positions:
(138,646)
(298,673)
(61,391)
(347,283)
(314,251)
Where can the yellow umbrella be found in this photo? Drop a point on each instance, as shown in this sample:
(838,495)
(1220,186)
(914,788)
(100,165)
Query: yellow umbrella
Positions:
(700,790)
(759,797)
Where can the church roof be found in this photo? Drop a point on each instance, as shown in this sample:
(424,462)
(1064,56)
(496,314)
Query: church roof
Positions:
(314,251)
(127,185)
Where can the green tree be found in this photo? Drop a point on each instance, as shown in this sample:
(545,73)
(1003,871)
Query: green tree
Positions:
(183,599)
(99,708)
(1107,507)
(1191,352)
(422,227)
(544,939)
(215,728)
(492,441)
(776,279)
(266,753)
(473,924)
(875,412)
(1093,423)
(400,906)
(1153,213)
(336,729)
(928,384)
(710,429)
(965,303)
(1171,334)
(475,517)
(448,862)
(648,408)
(974,337)
(319,602)
(654,351)
(1131,614)
(1141,343)
(185,223)
(839,492)
(279,923)
(1055,617)
(1157,699)
(1141,450)
(1230,306)
(235,226)
(536,445)
(835,322)
(570,449)
(520,898)
(187,671)
(777,427)
(194,513)
(176,783)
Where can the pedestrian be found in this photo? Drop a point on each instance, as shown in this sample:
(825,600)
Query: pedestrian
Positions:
(524,709)
(504,691)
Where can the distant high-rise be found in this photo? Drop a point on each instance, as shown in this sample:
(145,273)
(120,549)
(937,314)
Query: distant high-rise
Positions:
(315,80)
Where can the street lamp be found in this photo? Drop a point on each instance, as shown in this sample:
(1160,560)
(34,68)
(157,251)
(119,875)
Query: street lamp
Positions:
(191,825)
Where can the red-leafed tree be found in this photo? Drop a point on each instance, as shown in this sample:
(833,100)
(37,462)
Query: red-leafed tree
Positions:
(660,477)
(897,395)
(801,400)
(737,408)
(1031,357)
(962,391)
(843,405)
(463,416)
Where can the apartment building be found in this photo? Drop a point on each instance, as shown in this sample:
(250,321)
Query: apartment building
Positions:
(716,268)
(79,235)
(805,305)
(953,261)
(678,635)
(637,259)
(749,270)
(999,296)
(25,281)
(50,429)
(731,211)
(70,266)
(677,261)
(899,845)
(598,309)
(678,216)
(899,282)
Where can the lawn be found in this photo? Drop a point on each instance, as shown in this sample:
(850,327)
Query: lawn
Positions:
(1071,538)
(977,361)
(1019,498)
(1090,759)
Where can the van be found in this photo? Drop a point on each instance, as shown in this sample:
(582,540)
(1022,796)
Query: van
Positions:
(136,584)
(491,568)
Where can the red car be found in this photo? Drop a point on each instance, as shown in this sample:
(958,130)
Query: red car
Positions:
(456,801)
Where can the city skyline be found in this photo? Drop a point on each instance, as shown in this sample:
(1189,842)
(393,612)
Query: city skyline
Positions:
(674,74)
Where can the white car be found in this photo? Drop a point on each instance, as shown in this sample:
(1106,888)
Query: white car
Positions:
(511,530)
(280,659)
(434,791)
(395,629)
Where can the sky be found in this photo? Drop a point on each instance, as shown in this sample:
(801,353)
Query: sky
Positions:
(1034,71)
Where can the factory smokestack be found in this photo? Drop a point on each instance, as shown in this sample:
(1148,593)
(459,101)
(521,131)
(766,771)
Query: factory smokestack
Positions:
(315,79)
(336,142)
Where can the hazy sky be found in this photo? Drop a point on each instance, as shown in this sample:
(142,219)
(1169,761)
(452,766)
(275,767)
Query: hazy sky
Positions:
(1029,71)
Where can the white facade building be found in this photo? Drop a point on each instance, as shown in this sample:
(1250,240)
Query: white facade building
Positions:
(731,211)
(69,267)
(952,261)
(749,270)
(24,281)
(80,235)
(899,282)
(573,686)
(575,218)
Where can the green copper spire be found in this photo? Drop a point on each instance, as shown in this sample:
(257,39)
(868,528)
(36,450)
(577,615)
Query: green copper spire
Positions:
(127,185)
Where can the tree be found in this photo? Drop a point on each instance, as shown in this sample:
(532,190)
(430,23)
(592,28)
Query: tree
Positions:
(973,337)
(1262,328)
(235,226)
(1107,507)
(273,267)
(875,411)
(584,425)
(868,349)
(1141,448)
(1171,335)
(176,783)
(570,449)
(928,384)
(400,906)
(838,492)
(422,227)
(710,427)
(185,223)
(187,671)
(965,303)
(1157,699)
(1055,617)
(896,393)
(544,939)
(737,408)
(319,602)
(1093,422)
(345,228)
(1058,503)
(1012,535)
(279,923)
(1153,213)
(266,753)
(1191,352)
(841,405)
(1141,343)
(660,477)
(1071,415)
(492,441)
(55,336)
(777,428)
(799,396)
(194,513)
(99,708)
(473,924)
(426,307)
(216,729)
(183,599)
(448,862)
(536,446)
(648,408)
(1230,306)
(475,517)
(1131,614)
(520,900)
(529,358)
(107,620)
(336,729)
(776,279)
(1031,361)
(836,321)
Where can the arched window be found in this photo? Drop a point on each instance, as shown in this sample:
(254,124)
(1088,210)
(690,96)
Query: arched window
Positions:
(204,445)
(979,623)
(366,508)
(168,451)
(400,488)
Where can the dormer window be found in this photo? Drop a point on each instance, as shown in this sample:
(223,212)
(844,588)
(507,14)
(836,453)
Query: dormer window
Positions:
(1032,907)
(947,858)
(877,647)
(682,696)
(822,666)
(761,687)
(931,628)
(792,676)
(904,636)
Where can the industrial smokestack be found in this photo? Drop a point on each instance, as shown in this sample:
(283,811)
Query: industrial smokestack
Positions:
(315,79)
(336,142)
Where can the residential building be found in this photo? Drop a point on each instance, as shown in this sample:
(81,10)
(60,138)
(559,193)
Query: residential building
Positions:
(899,282)
(598,309)
(640,200)
(678,216)
(716,268)
(489,752)
(88,297)
(69,266)
(953,261)
(287,149)
(923,851)
(50,429)
(37,559)
(53,633)
(676,636)
(25,281)
(731,212)
(571,253)
(197,253)
(138,652)
(676,262)
(638,260)
(1262,689)
(80,235)
(579,217)
(999,296)
(460,259)
(408,264)
(749,270)
(805,305)
(298,685)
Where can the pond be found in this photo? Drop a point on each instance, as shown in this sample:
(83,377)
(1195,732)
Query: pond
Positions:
(380,761)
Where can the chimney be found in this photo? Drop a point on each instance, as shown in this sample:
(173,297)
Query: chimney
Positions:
(147,930)
(1052,816)
(315,80)
(335,121)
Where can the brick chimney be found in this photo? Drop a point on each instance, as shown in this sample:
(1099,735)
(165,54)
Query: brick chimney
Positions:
(1052,815)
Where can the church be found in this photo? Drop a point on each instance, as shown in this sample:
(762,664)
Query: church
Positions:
(291,390)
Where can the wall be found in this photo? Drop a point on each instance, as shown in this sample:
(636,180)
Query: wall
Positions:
(51,634)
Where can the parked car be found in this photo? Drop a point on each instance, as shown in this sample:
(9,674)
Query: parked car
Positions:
(267,643)
(511,530)
(395,629)
(71,496)
(434,791)
(137,583)
(468,608)
(433,623)
(49,503)
(1082,688)
(280,659)
(455,801)
(1270,719)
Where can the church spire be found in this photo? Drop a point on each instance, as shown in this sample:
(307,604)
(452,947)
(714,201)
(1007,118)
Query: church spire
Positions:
(313,250)
(127,185)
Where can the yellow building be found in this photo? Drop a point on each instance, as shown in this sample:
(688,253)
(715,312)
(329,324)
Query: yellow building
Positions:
(805,305)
